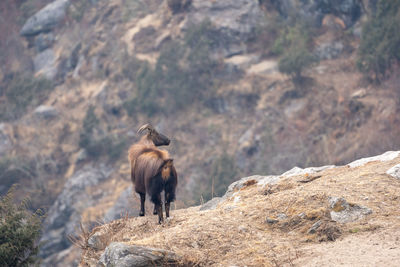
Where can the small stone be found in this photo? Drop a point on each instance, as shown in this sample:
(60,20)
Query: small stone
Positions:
(97,241)
(302,215)
(46,112)
(271,220)
(314,227)
(394,171)
(282,216)
(242,229)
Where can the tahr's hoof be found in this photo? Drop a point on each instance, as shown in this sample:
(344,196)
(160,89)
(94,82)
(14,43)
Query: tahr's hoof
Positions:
(154,212)
(141,213)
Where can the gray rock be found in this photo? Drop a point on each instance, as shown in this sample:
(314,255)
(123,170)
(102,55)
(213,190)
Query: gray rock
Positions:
(234,20)
(99,240)
(299,171)
(45,112)
(329,50)
(45,19)
(394,171)
(259,180)
(64,215)
(344,212)
(123,255)
(270,220)
(387,156)
(282,216)
(211,204)
(45,64)
(314,10)
(44,41)
(314,227)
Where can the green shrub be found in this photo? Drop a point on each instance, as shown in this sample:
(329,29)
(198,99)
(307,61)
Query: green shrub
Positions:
(295,60)
(294,46)
(19,233)
(380,42)
(89,123)
(23,91)
(178,5)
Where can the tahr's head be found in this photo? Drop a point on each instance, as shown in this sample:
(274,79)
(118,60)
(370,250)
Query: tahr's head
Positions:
(157,138)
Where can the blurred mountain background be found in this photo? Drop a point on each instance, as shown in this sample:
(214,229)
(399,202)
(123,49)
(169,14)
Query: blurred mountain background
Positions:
(241,87)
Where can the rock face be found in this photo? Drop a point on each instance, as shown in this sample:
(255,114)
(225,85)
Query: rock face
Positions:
(124,204)
(235,21)
(329,50)
(119,254)
(64,215)
(45,19)
(44,41)
(45,64)
(348,10)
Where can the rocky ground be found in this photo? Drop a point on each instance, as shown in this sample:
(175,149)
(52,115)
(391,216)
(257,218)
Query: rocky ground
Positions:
(345,215)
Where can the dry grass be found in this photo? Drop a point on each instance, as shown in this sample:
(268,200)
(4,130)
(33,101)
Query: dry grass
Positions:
(236,233)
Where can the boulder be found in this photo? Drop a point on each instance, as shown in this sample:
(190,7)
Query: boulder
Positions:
(45,64)
(234,21)
(387,156)
(123,255)
(329,50)
(44,41)
(299,171)
(45,19)
(247,181)
(64,215)
(45,112)
(394,171)
(211,204)
(344,212)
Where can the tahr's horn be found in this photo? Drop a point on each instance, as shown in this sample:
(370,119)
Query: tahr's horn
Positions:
(145,127)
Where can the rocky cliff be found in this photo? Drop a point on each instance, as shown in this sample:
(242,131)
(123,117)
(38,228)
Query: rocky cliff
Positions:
(304,217)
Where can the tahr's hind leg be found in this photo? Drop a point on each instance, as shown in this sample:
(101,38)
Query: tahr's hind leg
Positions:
(167,204)
(142,200)
(155,210)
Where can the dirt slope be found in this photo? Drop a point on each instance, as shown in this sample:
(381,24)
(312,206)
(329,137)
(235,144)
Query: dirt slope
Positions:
(269,225)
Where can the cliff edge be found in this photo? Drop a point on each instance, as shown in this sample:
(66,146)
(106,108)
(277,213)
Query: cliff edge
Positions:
(305,217)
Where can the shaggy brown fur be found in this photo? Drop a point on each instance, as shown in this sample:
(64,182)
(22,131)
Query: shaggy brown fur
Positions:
(152,171)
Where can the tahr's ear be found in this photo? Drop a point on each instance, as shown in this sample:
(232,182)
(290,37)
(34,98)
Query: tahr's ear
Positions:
(168,161)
